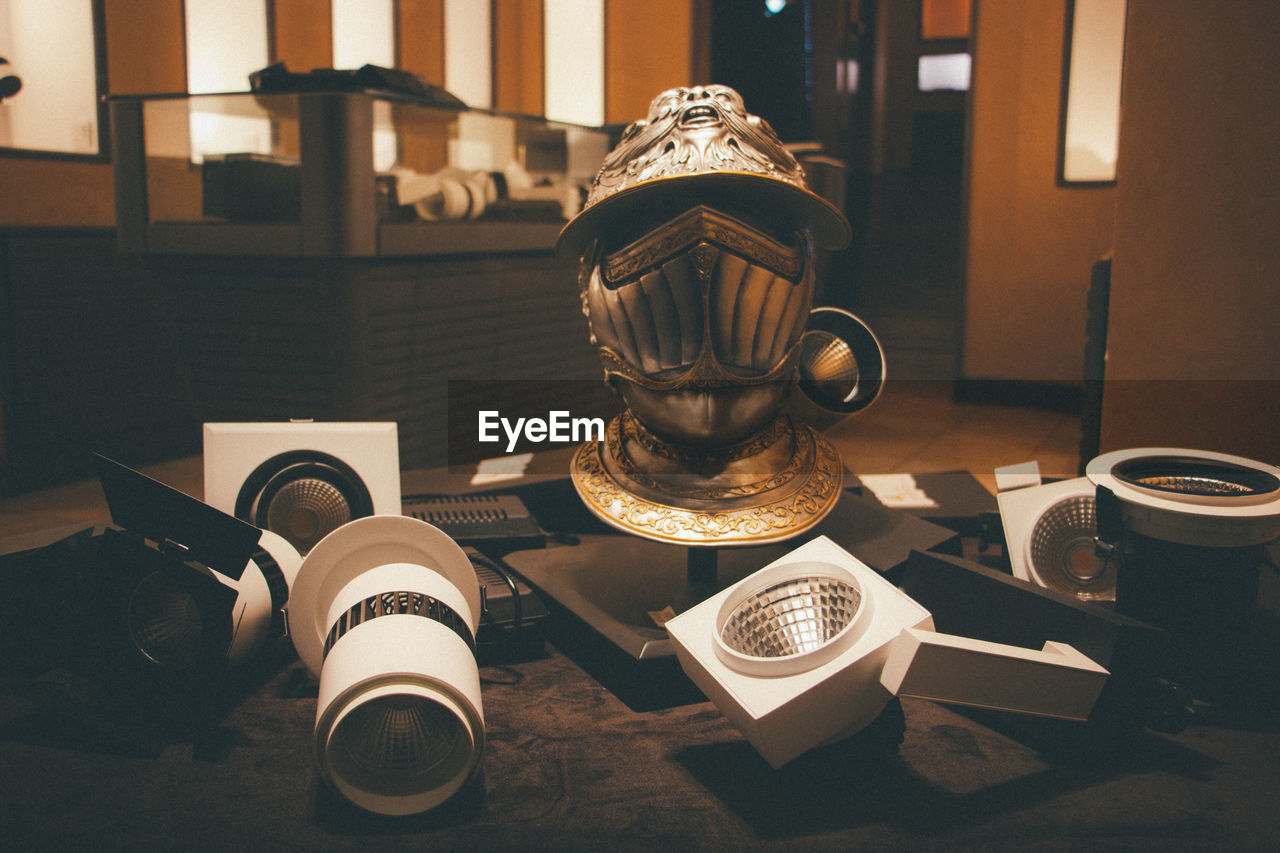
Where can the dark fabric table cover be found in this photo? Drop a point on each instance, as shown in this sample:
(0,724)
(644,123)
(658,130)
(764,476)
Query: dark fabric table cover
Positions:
(569,766)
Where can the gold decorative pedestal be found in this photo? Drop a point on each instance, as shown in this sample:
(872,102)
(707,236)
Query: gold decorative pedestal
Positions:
(774,486)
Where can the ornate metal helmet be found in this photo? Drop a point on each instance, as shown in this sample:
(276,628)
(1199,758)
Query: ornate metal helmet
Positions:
(696,269)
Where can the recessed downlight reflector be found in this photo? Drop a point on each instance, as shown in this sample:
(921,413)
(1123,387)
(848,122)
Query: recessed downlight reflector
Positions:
(830,365)
(791,618)
(1198,479)
(402,747)
(396,737)
(165,623)
(303,511)
(842,366)
(1063,554)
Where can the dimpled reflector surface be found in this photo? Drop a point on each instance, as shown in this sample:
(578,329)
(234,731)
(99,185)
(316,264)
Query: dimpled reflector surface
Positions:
(1062,548)
(165,622)
(1196,485)
(830,364)
(791,617)
(397,738)
(305,510)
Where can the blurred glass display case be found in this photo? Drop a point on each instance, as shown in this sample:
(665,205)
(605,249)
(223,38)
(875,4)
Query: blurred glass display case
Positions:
(358,256)
(346,174)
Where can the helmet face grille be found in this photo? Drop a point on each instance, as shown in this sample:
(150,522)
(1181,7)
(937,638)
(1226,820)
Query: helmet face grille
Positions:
(165,623)
(396,741)
(791,617)
(304,511)
(1063,553)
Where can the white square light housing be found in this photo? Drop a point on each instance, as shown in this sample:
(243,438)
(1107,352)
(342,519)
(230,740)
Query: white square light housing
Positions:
(811,648)
(302,479)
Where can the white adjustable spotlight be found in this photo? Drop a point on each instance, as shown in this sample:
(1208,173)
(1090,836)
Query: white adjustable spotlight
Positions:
(194,590)
(1192,497)
(1049,533)
(385,611)
(811,648)
(1188,530)
(302,479)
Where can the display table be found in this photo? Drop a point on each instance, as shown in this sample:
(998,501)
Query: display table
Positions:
(568,765)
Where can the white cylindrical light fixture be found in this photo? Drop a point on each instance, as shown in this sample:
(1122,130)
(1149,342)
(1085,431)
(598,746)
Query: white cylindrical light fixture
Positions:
(385,613)
(1188,531)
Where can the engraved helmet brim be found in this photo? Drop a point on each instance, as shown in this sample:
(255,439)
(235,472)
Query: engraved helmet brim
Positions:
(671,195)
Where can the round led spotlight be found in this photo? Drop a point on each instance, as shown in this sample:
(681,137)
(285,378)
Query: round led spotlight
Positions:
(385,612)
(400,748)
(1062,551)
(304,510)
(395,738)
(262,593)
(1189,529)
(303,495)
(1192,497)
(791,618)
(842,366)
(164,622)
(829,364)
(193,622)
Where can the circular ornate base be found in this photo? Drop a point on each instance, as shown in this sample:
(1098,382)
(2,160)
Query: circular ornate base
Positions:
(723,501)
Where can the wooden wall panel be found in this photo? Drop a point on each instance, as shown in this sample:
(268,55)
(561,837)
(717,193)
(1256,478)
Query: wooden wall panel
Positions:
(1193,323)
(146,46)
(519,78)
(1032,243)
(648,49)
(420,38)
(302,34)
